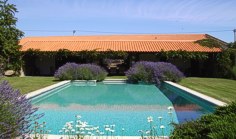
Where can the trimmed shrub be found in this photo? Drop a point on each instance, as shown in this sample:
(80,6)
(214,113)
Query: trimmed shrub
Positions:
(67,72)
(219,125)
(153,72)
(16,112)
(90,72)
(141,71)
(73,71)
(168,72)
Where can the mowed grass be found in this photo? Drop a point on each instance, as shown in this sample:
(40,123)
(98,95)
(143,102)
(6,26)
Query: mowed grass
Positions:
(221,89)
(29,84)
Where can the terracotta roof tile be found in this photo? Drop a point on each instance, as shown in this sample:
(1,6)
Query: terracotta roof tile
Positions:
(129,43)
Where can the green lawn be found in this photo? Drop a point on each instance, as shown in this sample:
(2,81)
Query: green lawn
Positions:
(28,84)
(32,83)
(222,89)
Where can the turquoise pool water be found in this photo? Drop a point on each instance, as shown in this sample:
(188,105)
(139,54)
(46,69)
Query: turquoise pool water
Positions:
(187,106)
(123,105)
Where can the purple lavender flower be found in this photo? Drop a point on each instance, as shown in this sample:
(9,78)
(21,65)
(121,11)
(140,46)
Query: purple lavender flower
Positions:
(16,112)
(73,71)
(168,72)
(67,72)
(153,72)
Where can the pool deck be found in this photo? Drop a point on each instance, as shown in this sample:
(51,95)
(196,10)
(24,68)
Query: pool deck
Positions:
(200,95)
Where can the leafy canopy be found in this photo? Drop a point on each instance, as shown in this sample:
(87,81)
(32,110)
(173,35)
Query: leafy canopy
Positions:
(211,43)
(9,36)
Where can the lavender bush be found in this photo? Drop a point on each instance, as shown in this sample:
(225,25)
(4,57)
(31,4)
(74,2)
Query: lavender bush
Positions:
(67,72)
(16,112)
(91,72)
(73,71)
(168,72)
(142,71)
(153,72)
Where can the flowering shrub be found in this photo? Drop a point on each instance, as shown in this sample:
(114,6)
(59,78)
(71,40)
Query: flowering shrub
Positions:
(91,72)
(153,72)
(73,71)
(142,71)
(16,112)
(67,72)
(168,72)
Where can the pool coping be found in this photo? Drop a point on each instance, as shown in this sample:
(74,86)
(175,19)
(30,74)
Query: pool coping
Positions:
(198,94)
(42,90)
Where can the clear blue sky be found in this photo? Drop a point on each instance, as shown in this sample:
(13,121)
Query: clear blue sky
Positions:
(60,17)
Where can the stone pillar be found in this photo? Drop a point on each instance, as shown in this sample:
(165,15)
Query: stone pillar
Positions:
(22,73)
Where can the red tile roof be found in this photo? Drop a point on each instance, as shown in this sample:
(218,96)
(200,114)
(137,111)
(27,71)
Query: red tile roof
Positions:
(128,43)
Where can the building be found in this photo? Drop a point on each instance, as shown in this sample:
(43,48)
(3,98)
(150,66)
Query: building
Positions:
(138,47)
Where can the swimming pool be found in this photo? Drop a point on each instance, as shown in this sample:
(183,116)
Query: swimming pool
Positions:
(126,106)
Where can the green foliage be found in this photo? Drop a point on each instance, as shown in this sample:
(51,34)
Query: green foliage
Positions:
(183,55)
(232,45)
(225,64)
(143,74)
(219,125)
(84,73)
(211,43)
(1,66)
(110,54)
(85,54)
(8,116)
(234,72)
(170,76)
(9,36)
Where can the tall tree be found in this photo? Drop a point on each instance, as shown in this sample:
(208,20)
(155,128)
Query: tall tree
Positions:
(10,56)
(232,45)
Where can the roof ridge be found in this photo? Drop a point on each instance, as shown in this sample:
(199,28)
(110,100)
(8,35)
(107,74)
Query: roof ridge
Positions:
(118,35)
(111,40)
